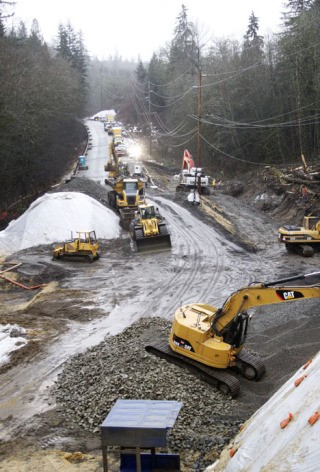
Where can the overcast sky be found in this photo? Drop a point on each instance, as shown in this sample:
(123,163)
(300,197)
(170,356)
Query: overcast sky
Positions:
(140,27)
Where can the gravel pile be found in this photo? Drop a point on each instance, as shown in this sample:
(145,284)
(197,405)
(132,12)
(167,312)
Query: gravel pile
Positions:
(84,185)
(120,368)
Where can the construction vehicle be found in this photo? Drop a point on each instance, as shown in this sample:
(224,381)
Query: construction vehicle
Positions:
(82,163)
(303,239)
(148,229)
(126,195)
(135,169)
(192,177)
(114,167)
(210,341)
(116,132)
(84,246)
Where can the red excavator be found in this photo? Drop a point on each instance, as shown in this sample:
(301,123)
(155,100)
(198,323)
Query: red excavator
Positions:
(192,177)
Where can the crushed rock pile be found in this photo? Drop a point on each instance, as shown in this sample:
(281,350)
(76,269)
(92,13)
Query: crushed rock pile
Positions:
(86,186)
(120,368)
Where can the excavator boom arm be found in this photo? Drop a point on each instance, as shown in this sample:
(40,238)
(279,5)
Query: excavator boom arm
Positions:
(259,295)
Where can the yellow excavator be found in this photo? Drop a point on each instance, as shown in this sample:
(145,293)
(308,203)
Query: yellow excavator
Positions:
(303,239)
(210,341)
(148,229)
(84,246)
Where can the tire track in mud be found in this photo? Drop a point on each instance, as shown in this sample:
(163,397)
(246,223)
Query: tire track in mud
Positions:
(202,258)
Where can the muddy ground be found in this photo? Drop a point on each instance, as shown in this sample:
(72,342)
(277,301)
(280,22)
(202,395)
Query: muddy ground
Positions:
(245,214)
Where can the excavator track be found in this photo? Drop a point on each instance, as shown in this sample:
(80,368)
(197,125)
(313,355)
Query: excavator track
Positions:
(305,250)
(225,382)
(250,365)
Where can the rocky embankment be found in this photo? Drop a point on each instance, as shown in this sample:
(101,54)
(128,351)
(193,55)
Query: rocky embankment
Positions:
(120,368)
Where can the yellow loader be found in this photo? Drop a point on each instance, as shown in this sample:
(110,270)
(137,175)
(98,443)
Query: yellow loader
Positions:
(149,230)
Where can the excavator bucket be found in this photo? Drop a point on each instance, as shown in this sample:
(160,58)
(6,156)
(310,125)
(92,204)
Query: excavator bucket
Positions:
(161,242)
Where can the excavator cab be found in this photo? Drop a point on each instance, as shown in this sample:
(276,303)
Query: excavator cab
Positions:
(237,329)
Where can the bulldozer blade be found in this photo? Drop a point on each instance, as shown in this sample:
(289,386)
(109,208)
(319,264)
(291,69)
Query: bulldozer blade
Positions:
(155,243)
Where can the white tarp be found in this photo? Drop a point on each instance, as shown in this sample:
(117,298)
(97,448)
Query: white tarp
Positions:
(52,218)
(263,446)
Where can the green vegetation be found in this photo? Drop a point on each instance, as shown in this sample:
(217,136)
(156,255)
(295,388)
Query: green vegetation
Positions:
(42,93)
(259,98)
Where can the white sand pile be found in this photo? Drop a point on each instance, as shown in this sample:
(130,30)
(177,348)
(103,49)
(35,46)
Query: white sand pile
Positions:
(53,217)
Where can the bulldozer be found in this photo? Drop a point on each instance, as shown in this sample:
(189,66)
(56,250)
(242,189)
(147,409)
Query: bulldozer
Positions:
(84,246)
(303,239)
(149,230)
(210,341)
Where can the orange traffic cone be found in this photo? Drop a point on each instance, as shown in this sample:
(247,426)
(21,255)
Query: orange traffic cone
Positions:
(307,364)
(298,381)
(233,451)
(284,423)
(314,418)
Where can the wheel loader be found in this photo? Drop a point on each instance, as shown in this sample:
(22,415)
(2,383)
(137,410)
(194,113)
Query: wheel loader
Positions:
(82,247)
(303,239)
(149,230)
(210,341)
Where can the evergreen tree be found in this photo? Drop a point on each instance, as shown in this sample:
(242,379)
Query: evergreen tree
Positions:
(141,73)
(63,47)
(2,29)
(294,9)
(156,77)
(183,50)
(252,38)
(35,37)
(80,57)
(22,32)
(70,46)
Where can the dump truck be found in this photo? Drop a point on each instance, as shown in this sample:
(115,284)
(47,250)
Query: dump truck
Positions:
(303,240)
(84,246)
(210,341)
(149,229)
(126,195)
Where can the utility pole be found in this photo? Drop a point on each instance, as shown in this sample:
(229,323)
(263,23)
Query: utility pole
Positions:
(199,113)
(198,177)
(150,136)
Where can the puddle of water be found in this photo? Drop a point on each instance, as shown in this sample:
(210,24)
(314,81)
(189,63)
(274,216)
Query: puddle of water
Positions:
(25,389)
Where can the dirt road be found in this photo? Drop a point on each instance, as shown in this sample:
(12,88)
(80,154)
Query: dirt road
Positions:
(216,249)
